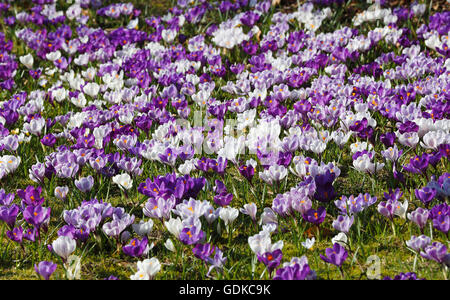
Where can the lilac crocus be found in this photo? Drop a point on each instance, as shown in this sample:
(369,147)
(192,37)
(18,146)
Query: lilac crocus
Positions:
(61,192)
(45,269)
(418,243)
(404,276)
(387,208)
(419,217)
(436,251)
(335,255)
(343,223)
(85,184)
(203,251)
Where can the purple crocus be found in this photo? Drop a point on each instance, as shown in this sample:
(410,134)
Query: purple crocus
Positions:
(30,234)
(16,234)
(404,276)
(48,140)
(31,196)
(136,248)
(247,171)
(315,216)
(8,214)
(271,259)
(295,272)
(223,199)
(436,251)
(442,223)
(191,235)
(388,139)
(335,255)
(426,195)
(36,215)
(45,269)
(203,251)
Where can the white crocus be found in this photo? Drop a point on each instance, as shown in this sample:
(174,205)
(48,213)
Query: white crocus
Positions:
(53,56)
(124,181)
(174,226)
(340,238)
(64,246)
(169,245)
(401,209)
(27,60)
(143,228)
(228,214)
(91,89)
(149,266)
(309,243)
(261,243)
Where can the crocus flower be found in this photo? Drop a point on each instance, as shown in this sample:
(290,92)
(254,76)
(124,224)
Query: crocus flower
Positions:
(315,216)
(45,269)
(250,209)
(203,251)
(191,235)
(8,214)
(136,248)
(61,192)
(343,223)
(36,215)
(124,181)
(223,199)
(335,255)
(294,272)
(169,245)
(442,223)
(426,195)
(64,246)
(85,184)
(436,251)
(309,243)
(271,259)
(418,243)
(143,228)
(228,214)
(174,226)
(16,234)
(419,216)
(151,266)
(404,276)
(31,195)
(247,171)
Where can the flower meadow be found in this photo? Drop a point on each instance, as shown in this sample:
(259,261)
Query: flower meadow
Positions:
(247,139)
